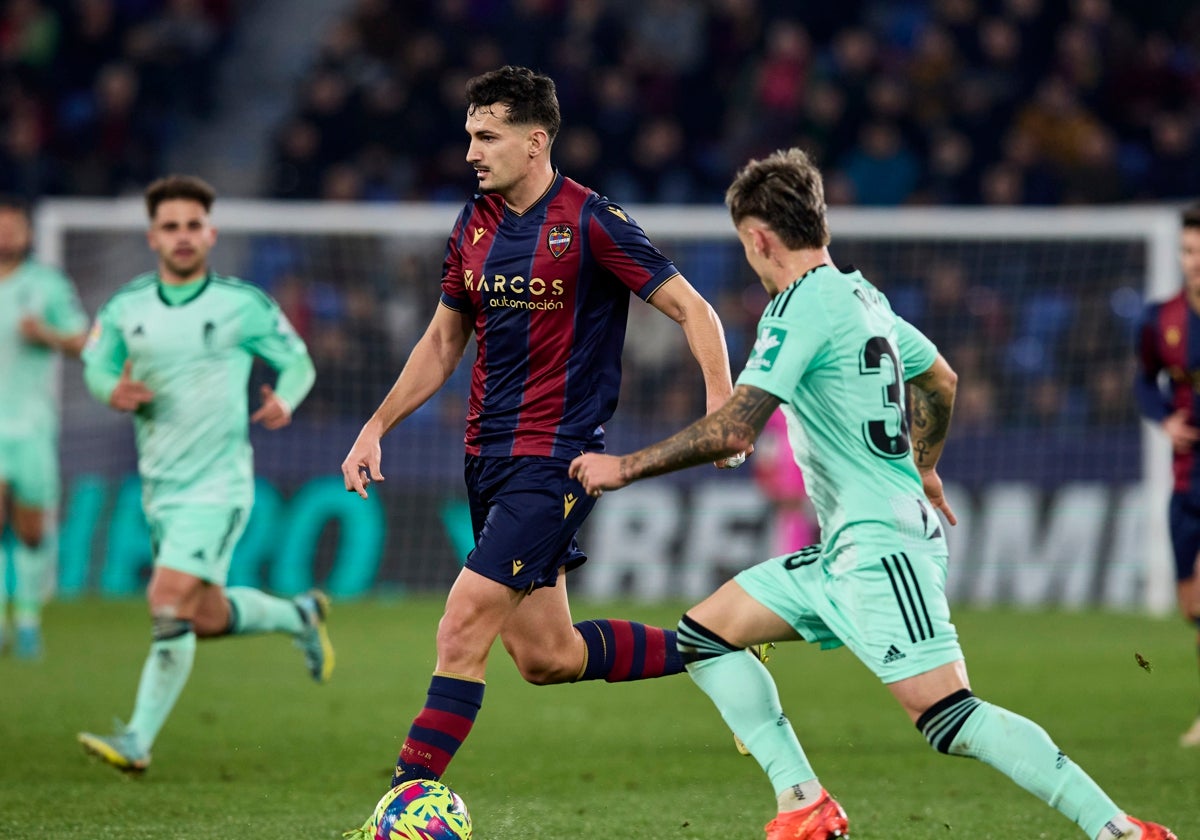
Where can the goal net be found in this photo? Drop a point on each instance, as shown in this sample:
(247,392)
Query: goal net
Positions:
(1059,490)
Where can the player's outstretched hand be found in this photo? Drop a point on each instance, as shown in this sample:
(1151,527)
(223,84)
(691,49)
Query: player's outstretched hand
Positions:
(597,473)
(274,413)
(361,466)
(129,394)
(932,483)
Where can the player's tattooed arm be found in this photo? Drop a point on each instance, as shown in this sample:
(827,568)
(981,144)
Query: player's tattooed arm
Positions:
(931,396)
(727,431)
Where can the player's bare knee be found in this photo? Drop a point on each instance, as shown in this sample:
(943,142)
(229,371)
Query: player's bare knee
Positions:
(545,670)
(941,722)
(29,529)
(31,536)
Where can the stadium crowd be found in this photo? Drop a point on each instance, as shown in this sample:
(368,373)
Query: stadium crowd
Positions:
(916,101)
(93,92)
(1002,102)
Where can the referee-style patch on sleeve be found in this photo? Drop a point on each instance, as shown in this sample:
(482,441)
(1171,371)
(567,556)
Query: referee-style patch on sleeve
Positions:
(766,348)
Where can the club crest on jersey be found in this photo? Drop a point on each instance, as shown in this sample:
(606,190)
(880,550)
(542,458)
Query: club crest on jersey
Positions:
(559,240)
(766,348)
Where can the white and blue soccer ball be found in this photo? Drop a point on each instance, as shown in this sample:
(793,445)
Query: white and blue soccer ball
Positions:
(420,809)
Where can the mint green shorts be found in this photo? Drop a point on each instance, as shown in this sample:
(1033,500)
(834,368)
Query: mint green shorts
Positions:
(197,540)
(887,605)
(29,467)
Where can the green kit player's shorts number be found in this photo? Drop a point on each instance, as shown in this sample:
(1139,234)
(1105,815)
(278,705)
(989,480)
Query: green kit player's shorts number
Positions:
(29,467)
(888,606)
(197,540)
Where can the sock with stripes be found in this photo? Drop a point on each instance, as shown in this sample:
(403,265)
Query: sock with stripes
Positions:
(962,724)
(441,727)
(626,650)
(744,693)
(163,677)
(1198,640)
(254,611)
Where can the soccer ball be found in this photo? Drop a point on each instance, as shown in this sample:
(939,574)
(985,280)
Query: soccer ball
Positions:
(420,809)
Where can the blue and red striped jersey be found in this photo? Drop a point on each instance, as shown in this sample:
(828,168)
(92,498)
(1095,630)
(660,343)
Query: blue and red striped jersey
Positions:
(549,292)
(1168,340)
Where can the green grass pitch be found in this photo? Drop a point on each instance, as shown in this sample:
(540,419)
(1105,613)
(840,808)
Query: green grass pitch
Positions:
(256,750)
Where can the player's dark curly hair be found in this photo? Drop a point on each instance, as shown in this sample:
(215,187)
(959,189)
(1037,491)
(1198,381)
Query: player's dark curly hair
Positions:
(172,187)
(531,97)
(1190,217)
(785,190)
(11,201)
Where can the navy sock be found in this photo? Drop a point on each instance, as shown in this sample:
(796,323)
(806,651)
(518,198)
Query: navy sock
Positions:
(626,650)
(440,728)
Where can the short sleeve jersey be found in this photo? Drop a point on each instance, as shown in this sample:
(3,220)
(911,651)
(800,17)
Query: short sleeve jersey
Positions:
(192,437)
(831,349)
(1168,341)
(28,386)
(548,291)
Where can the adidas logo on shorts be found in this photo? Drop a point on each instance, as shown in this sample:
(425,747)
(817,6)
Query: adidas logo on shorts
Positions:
(893,654)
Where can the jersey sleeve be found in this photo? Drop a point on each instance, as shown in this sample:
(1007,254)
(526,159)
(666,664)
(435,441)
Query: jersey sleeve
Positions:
(63,309)
(104,353)
(917,352)
(1152,402)
(268,334)
(622,248)
(454,289)
(783,351)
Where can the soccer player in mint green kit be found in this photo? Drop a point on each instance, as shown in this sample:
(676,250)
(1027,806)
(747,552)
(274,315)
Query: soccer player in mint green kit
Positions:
(40,317)
(175,348)
(834,355)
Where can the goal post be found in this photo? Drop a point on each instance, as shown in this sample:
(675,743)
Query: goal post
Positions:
(1061,490)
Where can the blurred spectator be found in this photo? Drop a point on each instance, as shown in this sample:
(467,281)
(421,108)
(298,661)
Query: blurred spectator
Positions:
(873,89)
(176,52)
(1173,169)
(882,168)
(29,33)
(111,146)
(295,164)
(1095,176)
(951,176)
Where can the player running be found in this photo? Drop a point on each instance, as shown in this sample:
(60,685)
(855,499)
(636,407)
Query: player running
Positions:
(834,355)
(539,269)
(175,348)
(40,316)
(1168,348)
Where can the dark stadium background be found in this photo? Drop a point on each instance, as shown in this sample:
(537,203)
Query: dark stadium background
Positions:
(957,103)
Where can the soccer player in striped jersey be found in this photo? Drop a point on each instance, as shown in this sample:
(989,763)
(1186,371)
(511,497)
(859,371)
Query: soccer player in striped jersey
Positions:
(174,348)
(40,317)
(834,355)
(539,269)
(1167,390)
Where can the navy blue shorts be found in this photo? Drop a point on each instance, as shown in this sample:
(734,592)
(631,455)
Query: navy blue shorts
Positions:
(1185,535)
(525,512)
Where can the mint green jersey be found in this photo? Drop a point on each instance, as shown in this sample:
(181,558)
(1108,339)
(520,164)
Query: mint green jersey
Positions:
(28,380)
(831,348)
(192,437)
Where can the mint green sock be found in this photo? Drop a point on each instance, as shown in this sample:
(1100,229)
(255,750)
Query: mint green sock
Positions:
(30,567)
(744,693)
(4,554)
(254,611)
(1021,750)
(163,676)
